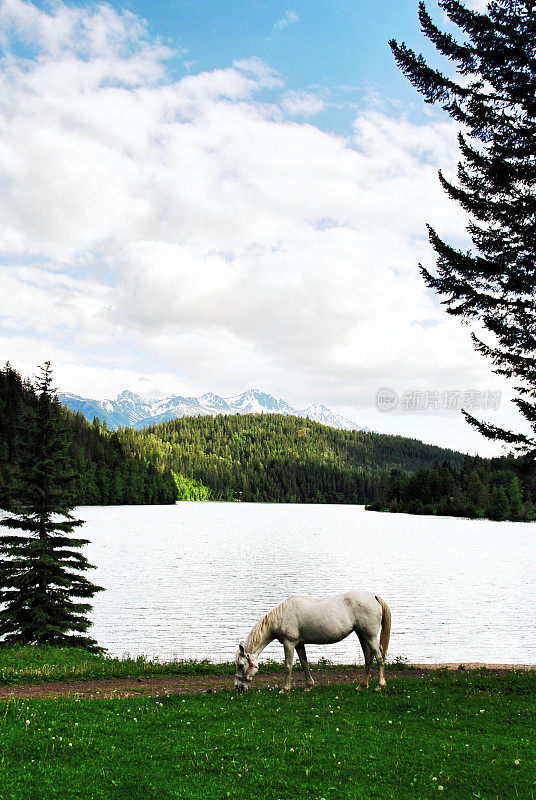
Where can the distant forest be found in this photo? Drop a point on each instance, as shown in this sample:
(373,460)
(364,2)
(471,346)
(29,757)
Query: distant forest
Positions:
(104,471)
(497,488)
(267,458)
(275,458)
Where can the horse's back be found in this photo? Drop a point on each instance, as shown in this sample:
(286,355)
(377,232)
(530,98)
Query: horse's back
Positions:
(323,621)
(366,609)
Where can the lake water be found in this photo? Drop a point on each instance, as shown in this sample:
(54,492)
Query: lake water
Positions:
(190,580)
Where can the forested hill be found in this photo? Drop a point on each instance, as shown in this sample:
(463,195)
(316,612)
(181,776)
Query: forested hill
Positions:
(275,458)
(105,472)
(255,457)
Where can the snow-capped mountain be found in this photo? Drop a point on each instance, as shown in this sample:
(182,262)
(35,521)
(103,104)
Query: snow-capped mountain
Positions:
(255,402)
(132,410)
(319,413)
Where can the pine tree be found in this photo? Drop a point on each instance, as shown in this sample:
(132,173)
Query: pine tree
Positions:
(41,584)
(495,102)
(499,507)
(515,497)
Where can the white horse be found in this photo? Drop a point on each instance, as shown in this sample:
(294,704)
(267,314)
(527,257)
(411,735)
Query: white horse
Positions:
(305,620)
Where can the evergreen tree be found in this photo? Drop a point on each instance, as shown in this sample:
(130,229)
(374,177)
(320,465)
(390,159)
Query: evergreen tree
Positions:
(495,101)
(41,584)
(515,497)
(101,460)
(500,508)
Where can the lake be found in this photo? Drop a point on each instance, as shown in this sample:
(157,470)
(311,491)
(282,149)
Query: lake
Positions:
(190,580)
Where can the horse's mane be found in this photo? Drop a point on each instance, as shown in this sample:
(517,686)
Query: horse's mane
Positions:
(259,630)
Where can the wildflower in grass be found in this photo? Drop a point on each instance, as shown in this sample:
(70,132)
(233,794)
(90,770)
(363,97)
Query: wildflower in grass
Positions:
(439,788)
(517,762)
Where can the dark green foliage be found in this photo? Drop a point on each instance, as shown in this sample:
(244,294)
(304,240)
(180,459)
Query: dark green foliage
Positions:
(43,593)
(104,473)
(495,102)
(498,488)
(268,458)
(274,458)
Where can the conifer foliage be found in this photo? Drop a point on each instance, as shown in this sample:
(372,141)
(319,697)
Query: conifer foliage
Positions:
(498,488)
(494,101)
(107,465)
(43,592)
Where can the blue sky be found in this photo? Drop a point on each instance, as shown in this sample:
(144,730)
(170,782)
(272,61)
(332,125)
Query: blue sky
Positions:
(322,44)
(203,196)
(339,48)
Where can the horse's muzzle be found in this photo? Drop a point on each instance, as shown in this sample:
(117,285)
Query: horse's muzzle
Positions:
(240,685)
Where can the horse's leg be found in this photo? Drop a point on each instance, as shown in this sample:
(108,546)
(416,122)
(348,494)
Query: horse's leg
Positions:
(373,643)
(289,659)
(309,682)
(369,655)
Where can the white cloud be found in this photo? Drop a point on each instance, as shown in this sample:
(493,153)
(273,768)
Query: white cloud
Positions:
(187,229)
(290,18)
(478,5)
(302,104)
(45,300)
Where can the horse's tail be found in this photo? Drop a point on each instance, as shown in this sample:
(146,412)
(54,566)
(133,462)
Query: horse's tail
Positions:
(385,632)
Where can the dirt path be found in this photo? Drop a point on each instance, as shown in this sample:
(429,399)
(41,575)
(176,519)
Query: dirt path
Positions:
(195,684)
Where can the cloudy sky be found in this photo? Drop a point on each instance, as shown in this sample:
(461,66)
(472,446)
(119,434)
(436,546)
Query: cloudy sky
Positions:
(201,195)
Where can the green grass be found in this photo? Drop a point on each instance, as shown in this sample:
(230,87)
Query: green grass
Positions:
(30,664)
(449,735)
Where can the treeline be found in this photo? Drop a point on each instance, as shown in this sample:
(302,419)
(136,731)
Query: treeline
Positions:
(497,488)
(104,471)
(263,458)
(275,458)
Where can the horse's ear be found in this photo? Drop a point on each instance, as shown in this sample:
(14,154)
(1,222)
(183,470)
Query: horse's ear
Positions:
(242,648)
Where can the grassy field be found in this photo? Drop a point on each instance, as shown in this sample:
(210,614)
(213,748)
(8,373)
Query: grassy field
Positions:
(39,664)
(449,735)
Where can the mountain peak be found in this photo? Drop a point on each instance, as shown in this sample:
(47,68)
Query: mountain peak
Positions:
(317,407)
(211,400)
(253,401)
(318,412)
(131,410)
(127,395)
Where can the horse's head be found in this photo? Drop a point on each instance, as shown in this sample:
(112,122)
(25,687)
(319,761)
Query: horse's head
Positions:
(246,669)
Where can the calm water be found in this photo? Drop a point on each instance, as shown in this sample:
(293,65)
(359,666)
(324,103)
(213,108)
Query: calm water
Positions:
(191,579)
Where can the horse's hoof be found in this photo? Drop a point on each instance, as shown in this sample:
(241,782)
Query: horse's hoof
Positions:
(309,688)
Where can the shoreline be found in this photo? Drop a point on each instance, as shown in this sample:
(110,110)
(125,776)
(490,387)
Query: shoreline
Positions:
(166,685)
